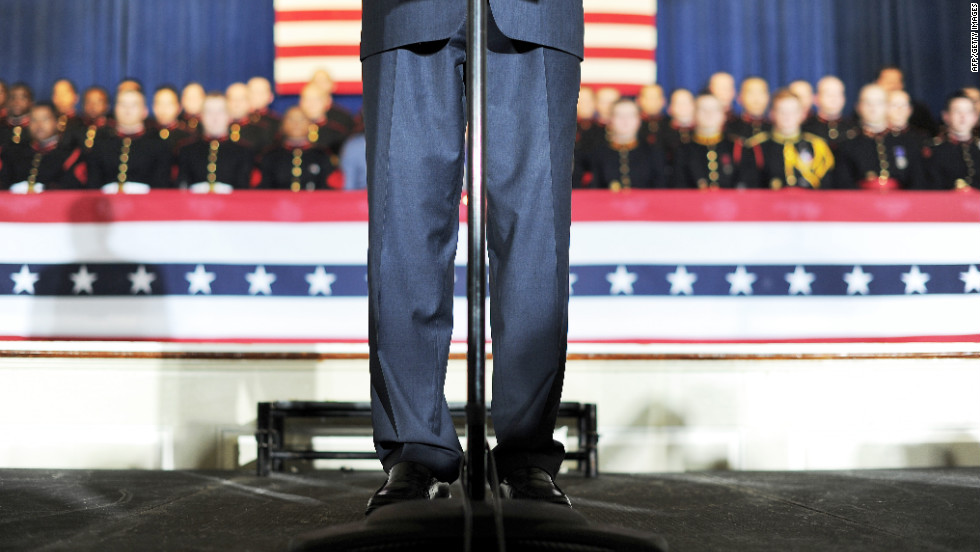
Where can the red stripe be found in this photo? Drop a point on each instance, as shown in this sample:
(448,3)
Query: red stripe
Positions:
(620,18)
(71,159)
(619,53)
(587,206)
(351,50)
(288,16)
(624,89)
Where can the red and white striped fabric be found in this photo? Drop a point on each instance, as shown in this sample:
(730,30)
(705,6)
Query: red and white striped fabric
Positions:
(620,43)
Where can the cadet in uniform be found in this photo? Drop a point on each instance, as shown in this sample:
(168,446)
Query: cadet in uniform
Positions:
(652,102)
(711,159)
(829,122)
(791,158)
(754,99)
(216,158)
(899,111)
(874,159)
(624,161)
(260,97)
(722,86)
(954,158)
(296,163)
(127,153)
(242,129)
(891,78)
(166,119)
(803,91)
(46,162)
(331,124)
(680,129)
(15,127)
(191,102)
(64,96)
(589,134)
(95,114)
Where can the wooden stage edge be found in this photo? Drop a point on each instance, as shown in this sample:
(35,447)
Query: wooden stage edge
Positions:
(576,351)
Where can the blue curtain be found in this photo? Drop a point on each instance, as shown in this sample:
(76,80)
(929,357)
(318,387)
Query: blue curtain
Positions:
(785,40)
(221,41)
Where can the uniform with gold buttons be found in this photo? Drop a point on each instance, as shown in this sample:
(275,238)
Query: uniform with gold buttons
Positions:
(800,161)
(300,167)
(879,161)
(619,167)
(55,164)
(117,158)
(711,162)
(954,164)
(215,161)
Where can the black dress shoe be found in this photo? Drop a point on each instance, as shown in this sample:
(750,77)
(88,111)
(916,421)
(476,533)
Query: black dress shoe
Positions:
(533,484)
(408,481)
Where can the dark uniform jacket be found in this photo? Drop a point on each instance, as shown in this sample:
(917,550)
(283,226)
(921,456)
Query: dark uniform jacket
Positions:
(215,161)
(953,164)
(802,161)
(638,165)
(876,161)
(146,159)
(59,165)
(832,131)
(92,129)
(389,24)
(713,162)
(331,132)
(300,168)
(14,130)
(746,127)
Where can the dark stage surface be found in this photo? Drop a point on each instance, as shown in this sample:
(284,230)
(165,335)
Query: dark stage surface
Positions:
(913,509)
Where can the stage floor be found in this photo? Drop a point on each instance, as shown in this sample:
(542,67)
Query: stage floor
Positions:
(887,510)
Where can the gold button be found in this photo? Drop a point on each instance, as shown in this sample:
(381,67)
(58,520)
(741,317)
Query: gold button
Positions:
(123,167)
(712,155)
(121,177)
(297,161)
(833,134)
(127,142)
(164,134)
(713,175)
(297,172)
(713,166)
(212,167)
(124,158)
(294,186)
(215,144)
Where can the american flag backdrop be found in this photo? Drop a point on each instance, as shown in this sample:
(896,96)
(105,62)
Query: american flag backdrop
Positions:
(620,43)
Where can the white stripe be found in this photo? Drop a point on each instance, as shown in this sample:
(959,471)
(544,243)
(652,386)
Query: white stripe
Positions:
(771,317)
(618,71)
(298,5)
(640,7)
(300,69)
(317,33)
(608,35)
(774,243)
(186,242)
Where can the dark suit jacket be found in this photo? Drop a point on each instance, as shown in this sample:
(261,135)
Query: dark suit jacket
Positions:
(391,24)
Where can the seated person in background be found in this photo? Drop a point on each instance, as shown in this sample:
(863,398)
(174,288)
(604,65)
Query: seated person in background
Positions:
(891,78)
(829,122)
(652,102)
(215,163)
(296,163)
(604,99)
(127,158)
(624,161)
(44,163)
(588,135)
(954,159)
(722,86)
(754,99)
(803,91)
(790,157)
(166,119)
(260,97)
(95,114)
(330,124)
(874,159)
(191,103)
(974,94)
(129,84)
(243,131)
(899,111)
(711,160)
(680,129)
(15,127)
(64,96)
(4,92)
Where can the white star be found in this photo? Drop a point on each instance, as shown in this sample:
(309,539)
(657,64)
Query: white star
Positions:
(200,281)
(24,280)
(621,281)
(800,281)
(682,281)
(141,281)
(857,281)
(320,281)
(260,281)
(971,279)
(915,281)
(572,279)
(741,281)
(83,280)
